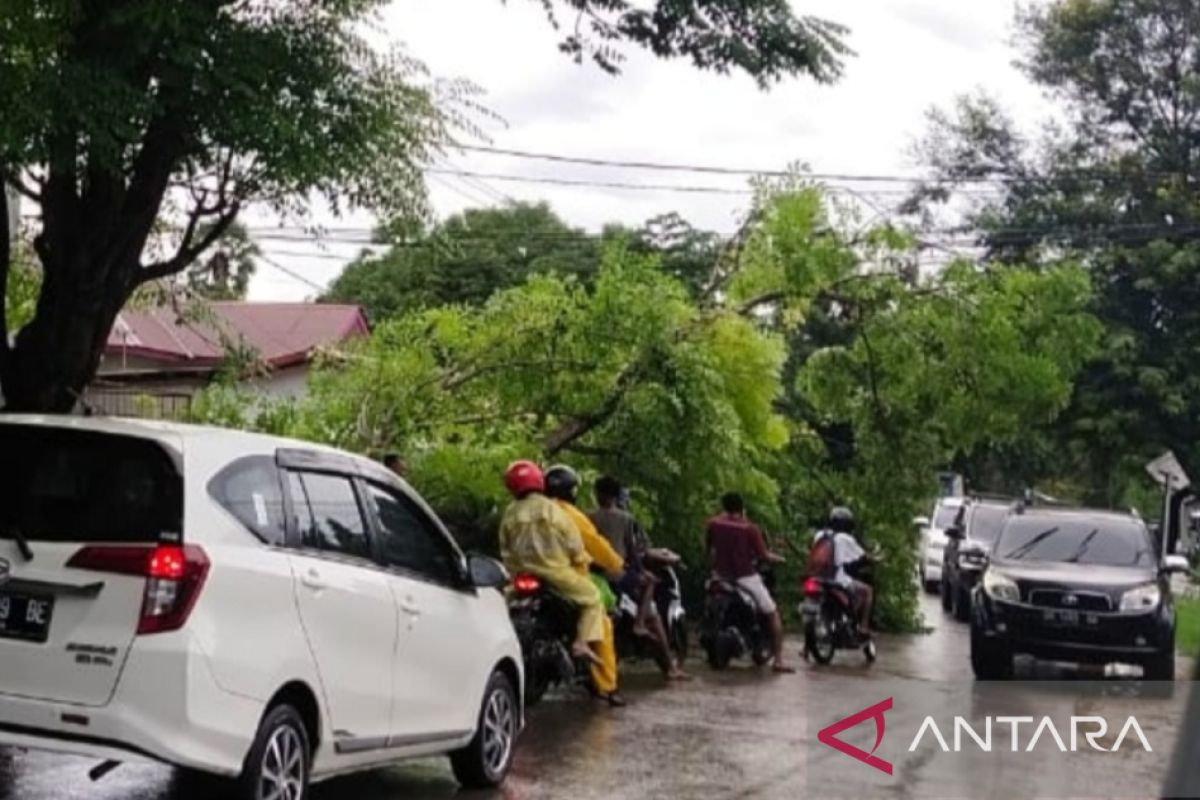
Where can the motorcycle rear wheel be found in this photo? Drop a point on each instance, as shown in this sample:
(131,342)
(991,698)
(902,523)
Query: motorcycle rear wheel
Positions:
(820,647)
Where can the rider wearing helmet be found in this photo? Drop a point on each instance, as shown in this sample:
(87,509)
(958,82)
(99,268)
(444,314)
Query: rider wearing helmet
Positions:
(537,536)
(562,484)
(847,552)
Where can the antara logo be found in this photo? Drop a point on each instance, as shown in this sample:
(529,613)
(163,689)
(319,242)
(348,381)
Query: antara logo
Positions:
(829,735)
(1093,730)
(1097,728)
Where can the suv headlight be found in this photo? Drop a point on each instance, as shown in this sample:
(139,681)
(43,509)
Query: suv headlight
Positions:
(1141,598)
(1001,587)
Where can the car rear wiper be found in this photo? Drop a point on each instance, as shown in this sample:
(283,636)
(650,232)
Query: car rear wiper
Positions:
(1026,548)
(22,542)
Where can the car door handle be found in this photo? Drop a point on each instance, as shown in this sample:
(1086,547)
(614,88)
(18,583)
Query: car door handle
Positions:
(313,580)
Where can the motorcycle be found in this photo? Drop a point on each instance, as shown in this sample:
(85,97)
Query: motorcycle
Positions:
(733,627)
(668,601)
(830,623)
(545,623)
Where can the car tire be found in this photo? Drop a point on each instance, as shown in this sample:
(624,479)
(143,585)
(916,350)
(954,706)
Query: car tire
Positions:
(280,756)
(485,762)
(990,660)
(1160,666)
(947,603)
(962,605)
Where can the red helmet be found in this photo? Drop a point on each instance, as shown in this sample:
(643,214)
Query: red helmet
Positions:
(523,477)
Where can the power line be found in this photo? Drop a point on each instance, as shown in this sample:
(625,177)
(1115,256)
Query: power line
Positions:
(291,273)
(1068,175)
(646,187)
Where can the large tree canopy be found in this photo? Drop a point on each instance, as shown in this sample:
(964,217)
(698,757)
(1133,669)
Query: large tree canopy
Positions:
(686,396)
(1116,185)
(122,119)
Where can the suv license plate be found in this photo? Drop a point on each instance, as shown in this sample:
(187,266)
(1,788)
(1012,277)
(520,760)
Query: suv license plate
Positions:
(1063,618)
(25,617)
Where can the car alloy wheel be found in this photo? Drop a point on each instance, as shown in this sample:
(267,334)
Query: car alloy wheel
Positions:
(282,775)
(499,730)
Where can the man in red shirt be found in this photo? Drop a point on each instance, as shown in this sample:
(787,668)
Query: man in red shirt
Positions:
(735,548)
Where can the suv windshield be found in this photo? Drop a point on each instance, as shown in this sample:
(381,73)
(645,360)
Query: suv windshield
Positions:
(945,516)
(80,486)
(985,522)
(1105,541)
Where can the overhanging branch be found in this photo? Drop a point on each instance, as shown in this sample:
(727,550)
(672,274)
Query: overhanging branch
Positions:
(190,250)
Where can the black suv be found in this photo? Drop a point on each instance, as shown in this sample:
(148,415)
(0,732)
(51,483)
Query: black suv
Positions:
(1075,585)
(968,542)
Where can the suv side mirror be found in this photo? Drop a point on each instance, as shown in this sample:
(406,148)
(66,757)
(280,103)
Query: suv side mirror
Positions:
(954,532)
(1173,564)
(486,573)
(921,522)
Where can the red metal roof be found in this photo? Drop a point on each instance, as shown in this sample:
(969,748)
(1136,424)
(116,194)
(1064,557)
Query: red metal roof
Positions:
(283,334)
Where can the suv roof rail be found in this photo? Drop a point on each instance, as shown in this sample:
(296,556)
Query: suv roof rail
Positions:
(1006,498)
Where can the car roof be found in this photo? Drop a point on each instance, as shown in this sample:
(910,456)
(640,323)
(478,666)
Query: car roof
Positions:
(1073,513)
(160,430)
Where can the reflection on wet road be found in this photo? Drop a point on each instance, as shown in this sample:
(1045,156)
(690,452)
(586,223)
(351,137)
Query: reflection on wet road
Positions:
(737,734)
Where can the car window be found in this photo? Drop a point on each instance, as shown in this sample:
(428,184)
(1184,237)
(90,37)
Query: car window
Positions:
(409,540)
(80,486)
(944,516)
(327,514)
(249,489)
(1107,542)
(986,522)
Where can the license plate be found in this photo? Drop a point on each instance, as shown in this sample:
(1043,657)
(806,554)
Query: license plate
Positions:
(1063,618)
(25,617)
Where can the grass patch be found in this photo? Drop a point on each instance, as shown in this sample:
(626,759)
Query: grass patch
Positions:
(1187,626)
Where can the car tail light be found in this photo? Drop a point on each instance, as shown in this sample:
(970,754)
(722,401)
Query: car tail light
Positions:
(174,577)
(812,587)
(527,584)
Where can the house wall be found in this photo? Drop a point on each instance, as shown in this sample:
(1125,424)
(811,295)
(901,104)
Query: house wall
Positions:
(284,384)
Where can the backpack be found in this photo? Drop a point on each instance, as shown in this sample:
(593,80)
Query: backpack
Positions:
(820,556)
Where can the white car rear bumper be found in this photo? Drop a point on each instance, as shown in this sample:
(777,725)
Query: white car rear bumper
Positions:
(166,708)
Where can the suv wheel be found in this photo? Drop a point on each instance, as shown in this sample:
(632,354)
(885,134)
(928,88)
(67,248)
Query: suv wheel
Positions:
(485,762)
(278,763)
(990,660)
(946,600)
(1160,666)
(962,604)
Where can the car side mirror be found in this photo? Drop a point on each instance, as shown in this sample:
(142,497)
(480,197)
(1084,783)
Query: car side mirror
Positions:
(486,573)
(954,532)
(1173,564)
(921,522)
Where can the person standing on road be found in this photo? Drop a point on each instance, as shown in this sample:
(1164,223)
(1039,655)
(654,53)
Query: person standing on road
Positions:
(537,536)
(628,538)
(736,547)
(562,484)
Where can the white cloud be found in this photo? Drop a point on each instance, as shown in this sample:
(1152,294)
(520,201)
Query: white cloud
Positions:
(911,55)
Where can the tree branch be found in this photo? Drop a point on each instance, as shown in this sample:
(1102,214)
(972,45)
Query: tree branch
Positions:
(575,428)
(189,251)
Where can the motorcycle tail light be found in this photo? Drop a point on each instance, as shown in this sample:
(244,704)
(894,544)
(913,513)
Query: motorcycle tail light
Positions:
(812,587)
(527,584)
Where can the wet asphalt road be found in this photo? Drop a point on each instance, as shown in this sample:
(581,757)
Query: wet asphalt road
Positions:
(737,734)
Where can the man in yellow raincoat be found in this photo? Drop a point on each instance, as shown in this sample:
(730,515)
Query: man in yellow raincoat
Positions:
(562,484)
(537,536)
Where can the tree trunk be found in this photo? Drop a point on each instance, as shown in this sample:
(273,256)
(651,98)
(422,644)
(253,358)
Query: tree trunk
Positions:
(55,356)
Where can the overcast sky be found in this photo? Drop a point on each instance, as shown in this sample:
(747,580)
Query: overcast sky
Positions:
(911,55)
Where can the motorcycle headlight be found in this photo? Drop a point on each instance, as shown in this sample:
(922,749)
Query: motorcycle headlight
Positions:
(1001,587)
(1141,598)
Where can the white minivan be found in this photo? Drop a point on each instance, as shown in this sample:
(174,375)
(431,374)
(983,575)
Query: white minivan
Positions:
(933,541)
(254,607)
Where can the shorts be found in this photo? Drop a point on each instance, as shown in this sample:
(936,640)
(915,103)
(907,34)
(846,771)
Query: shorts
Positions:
(753,585)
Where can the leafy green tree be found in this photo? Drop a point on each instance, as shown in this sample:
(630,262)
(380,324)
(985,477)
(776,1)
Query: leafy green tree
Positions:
(685,398)
(114,113)
(1113,185)
(224,272)
(466,259)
